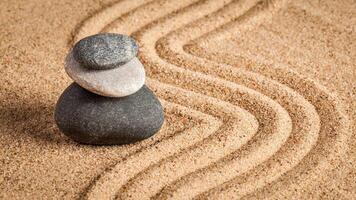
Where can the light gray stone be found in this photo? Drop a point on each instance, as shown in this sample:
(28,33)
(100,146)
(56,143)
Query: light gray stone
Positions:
(117,82)
(105,51)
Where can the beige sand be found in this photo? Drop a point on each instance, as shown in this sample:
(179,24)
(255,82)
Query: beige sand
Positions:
(259,100)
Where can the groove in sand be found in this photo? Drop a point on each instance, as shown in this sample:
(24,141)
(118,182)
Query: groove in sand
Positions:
(182,20)
(311,120)
(307,117)
(196,121)
(106,186)
(202,153)
(92,26)
(331,110)
(287,135)
(245,127)
(284,137)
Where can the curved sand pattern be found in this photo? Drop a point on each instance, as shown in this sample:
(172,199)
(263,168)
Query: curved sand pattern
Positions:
(307,123)
(277,137)
(187,37)
(176,55)
(156,34)
(324,101)
(241,122)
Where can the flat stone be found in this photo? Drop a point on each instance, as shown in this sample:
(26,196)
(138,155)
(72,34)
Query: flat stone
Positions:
(105,51)
(118,82)
(93,119)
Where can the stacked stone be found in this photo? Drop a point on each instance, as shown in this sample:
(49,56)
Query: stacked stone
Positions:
(108,102)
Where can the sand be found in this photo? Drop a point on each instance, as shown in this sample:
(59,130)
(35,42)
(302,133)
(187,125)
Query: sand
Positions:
(259,100)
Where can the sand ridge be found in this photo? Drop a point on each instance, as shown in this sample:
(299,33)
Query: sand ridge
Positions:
(255,11)
(260,128)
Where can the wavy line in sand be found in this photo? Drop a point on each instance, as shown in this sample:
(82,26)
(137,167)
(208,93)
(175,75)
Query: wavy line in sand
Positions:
(152,50)
(110,13)
(277,140)
(283,137)
(238,127)
(332,115)
(105,187)
(212,149)
(197,121)
(335,131)
(175,43)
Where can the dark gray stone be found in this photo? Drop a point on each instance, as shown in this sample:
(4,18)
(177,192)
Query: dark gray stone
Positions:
(93,119)
(105,51)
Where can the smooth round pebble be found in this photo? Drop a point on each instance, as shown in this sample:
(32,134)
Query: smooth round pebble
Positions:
(118,82)
(105,51)
(93,119)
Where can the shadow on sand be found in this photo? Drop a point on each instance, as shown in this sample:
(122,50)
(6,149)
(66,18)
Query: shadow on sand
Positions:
(30,118)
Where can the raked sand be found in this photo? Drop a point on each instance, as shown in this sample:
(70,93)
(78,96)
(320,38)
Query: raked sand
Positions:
(259,100)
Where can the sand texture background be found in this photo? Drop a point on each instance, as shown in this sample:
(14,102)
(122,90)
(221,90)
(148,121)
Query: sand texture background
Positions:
(259,99)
